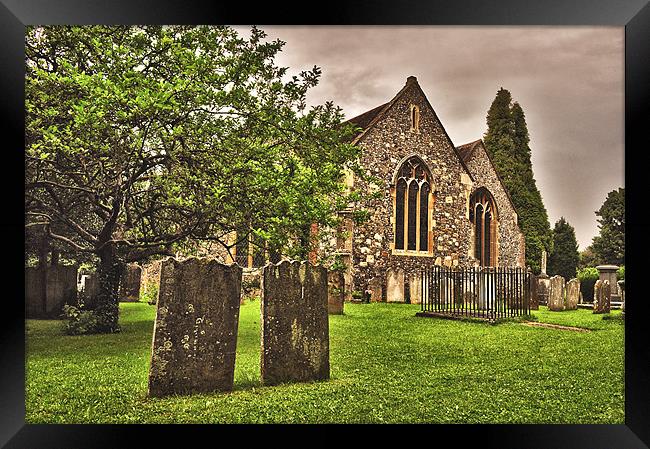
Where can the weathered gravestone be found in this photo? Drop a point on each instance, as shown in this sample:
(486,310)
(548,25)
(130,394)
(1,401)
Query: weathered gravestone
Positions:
(572,294)
(395,285)
(608,273)
(556,294)
(335,292)
(602,296)
(295,329)
(130,283)
(195,333)
(415,288)
(534,293)
(376,290)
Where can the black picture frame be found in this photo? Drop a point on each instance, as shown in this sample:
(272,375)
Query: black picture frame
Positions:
(633,14)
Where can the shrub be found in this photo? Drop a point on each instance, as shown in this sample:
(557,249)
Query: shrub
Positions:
(620,274)
(78,322)
(588,277)
(149,293)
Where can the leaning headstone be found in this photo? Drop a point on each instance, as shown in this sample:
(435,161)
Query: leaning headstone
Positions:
(89,290)
(556,294)
(295,329)
(195,332)
(130,283)
(376,290)
(572,294)
(395,285)
(335,292)
(602,296)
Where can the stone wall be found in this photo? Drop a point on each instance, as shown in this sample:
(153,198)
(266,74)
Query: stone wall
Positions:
(295,328)
(130,283)
(509,236)
(150,280)
(195,332)
(47,301)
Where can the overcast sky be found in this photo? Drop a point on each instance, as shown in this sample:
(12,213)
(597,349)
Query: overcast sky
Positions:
(568,80)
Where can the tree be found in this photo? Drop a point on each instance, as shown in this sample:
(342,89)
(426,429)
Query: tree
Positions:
(141,138)
(564,258)
(609,245)
(507,142)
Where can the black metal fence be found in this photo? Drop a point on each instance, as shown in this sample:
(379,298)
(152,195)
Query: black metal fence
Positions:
(490,293)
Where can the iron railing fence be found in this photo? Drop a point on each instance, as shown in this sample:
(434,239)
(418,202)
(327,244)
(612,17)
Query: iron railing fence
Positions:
(490,293)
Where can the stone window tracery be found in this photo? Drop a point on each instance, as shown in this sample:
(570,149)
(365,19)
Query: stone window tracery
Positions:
(412,207)
(483,215)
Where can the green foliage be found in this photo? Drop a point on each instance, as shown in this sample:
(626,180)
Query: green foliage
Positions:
(149,293)
(140,139)
(428,371)
(506,141)
(78,322)
(588,258)
(609,245)
(588,277)
(564,258)
(620,273)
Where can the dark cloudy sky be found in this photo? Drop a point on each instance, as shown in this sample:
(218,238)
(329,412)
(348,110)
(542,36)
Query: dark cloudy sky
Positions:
(568,80)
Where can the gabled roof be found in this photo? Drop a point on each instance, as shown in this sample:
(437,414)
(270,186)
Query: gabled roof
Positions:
(369,118)
(469,150)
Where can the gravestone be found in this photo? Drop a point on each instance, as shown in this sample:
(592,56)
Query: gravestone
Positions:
(130,283)
(195,332)
(47,293)
(335,292)
(376,290)
(602,296)
(295,329)
(572,294)
(534,292)
(395,285)
(556,294)
(415,286)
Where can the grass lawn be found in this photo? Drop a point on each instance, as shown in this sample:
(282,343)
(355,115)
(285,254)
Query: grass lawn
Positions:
(387,366)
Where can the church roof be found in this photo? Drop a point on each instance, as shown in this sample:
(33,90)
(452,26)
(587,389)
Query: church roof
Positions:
(369,118)
(468,150)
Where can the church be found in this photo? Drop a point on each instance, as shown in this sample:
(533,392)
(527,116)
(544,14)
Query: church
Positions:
(440,204)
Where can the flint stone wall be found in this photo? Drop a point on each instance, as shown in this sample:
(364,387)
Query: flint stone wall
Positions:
(572,294)
(602,296)
(130,283)
(295,328)
(556,294)
(195,333)
(60,289)
(384,147)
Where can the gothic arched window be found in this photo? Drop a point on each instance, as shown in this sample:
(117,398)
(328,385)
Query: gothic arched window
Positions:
(412,208)
(483,215)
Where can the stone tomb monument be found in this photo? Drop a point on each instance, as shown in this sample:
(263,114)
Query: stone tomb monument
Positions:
(295,328)
(602,296)
(556,294)
(195,332)
(608,273)
(572,294)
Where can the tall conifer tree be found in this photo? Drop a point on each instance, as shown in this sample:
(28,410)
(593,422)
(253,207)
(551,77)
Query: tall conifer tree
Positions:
(507,142)
(565,257)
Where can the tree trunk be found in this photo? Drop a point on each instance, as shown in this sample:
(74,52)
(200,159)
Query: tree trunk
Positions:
(108,272)
(43,249)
